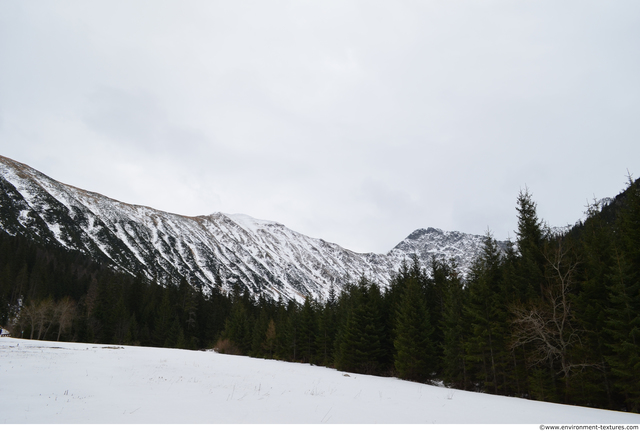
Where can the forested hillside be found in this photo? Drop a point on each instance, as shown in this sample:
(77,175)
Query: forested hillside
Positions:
(556,317)
(211,252)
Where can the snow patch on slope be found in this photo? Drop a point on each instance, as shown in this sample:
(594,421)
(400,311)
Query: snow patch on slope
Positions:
(218,250)
(248,222)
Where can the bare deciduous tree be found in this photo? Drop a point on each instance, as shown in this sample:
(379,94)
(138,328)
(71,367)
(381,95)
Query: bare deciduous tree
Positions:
(43,315)
(38,316)
(64,313)
(30,316)
(545,325)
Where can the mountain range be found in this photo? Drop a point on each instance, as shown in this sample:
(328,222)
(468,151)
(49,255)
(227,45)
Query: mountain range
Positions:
(215,251)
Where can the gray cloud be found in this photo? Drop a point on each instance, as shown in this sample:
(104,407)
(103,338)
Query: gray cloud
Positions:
(353,121)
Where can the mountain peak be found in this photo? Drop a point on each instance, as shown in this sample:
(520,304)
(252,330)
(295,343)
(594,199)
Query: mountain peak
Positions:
(211,252)
(250,223)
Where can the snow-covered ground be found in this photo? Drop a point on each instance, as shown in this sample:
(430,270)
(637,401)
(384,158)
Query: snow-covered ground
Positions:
(50,382)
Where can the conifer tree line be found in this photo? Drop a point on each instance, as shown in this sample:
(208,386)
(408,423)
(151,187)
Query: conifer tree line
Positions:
(552,317)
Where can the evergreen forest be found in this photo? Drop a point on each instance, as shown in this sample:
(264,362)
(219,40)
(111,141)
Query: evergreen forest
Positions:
(554,317)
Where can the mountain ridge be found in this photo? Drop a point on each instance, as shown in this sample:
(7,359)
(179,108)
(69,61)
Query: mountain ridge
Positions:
(210,251)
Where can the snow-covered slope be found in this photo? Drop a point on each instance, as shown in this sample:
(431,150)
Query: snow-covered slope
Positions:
(212,251)
(51,382)
(432,242)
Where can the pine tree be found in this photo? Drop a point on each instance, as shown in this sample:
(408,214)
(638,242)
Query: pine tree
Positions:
(623,323)
(434,286)
(259,334)
(623,326)
(270,338)
(307,331)
(171,339)
(163,320)
(591,304)
(486,311)
(516,382)
(103,316)
(454,366)
(530,238)
(131,337)
(327,327)
(359,341)
(238,327)
(415,357)
(120,321)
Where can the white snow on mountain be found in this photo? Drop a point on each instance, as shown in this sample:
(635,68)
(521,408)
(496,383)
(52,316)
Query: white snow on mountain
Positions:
(210,251)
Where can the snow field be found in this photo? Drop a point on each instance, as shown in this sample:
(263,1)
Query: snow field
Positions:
(51,382)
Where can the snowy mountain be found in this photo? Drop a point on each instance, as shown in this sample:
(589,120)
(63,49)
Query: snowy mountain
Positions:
(212,251)
(430,243)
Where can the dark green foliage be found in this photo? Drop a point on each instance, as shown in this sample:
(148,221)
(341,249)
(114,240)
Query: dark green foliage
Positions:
(78,299)
(455,330)
(239,326)
(623,315)
(530,238)
(623,326)
(360,338)
(579,292)
(307,332)
(486,311)
(327,328)
(434,286)
(415,354)
(259,333)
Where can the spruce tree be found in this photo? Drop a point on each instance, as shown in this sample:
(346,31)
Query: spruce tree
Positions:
(485,308)
(623,323)
(415,354)
(530,238)
(307,331)
(591,304)
(623,326)
(163,319)
(238,328)
(516,366)
(259,334)
(327,327)
(454,328)
(434,285)
(359,342)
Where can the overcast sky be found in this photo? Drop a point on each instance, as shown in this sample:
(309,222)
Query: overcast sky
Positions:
(352,121)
